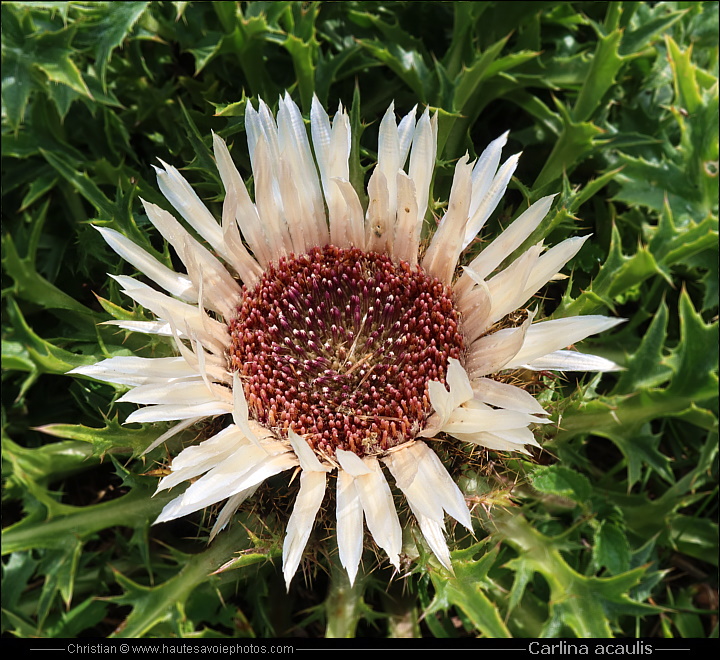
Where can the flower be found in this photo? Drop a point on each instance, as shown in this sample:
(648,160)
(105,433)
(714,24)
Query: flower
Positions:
(333,339)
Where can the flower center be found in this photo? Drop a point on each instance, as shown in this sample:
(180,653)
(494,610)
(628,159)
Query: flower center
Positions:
(339,345)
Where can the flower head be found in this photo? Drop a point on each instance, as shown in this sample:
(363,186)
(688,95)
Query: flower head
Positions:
(334,342)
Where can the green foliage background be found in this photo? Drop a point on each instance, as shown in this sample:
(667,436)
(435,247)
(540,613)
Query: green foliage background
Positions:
(610,531)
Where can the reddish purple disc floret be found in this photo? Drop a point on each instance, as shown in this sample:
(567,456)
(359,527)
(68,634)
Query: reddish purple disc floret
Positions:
(339,345)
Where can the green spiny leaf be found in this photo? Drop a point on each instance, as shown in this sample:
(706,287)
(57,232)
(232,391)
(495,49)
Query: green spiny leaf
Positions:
(53,56)
(695,359)
(578,601)
(136,508)
(644,33)
(467,591)
(114,437)
(685,77)
(559,480)
(114,25)
(17,67)
(606,63)
(576,141)
(80,182)
(644,368)
(47,357)
(30,285)
(611,550)
(152,605)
